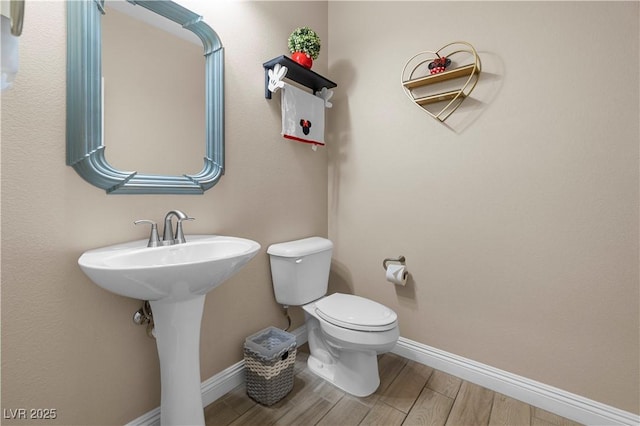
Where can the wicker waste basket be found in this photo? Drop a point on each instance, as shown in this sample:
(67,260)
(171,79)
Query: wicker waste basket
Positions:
(269,357)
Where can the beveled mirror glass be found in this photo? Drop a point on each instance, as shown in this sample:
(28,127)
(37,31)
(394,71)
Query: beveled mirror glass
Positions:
(85,144)
(152,92)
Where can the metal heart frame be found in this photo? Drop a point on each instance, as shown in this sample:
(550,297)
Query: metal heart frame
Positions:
(85,147)
(454,98)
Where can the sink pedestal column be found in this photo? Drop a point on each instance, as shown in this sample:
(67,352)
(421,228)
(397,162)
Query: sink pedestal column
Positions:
(177,330)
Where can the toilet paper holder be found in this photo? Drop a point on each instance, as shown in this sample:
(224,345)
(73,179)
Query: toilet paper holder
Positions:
(400,259)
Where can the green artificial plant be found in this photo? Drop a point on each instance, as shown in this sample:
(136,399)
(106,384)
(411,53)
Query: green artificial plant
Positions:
(305,40)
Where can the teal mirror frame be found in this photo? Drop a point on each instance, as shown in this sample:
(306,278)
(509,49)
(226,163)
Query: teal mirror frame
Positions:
(85,147)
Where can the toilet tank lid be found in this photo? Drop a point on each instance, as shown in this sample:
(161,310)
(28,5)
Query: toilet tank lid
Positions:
(301,247)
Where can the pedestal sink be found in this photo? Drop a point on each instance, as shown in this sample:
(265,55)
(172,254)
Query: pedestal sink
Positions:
(175,280)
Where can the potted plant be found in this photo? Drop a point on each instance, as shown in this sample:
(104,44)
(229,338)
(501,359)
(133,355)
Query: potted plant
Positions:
(304,44)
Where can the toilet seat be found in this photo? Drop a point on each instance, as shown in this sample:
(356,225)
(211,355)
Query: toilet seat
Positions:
(355,313)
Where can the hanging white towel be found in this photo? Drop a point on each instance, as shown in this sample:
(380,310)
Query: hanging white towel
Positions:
(302,116)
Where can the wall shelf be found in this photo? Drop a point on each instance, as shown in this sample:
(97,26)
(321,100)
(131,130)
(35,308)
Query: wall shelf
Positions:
(297,73)
(448,88)
(464,71)
(439,97)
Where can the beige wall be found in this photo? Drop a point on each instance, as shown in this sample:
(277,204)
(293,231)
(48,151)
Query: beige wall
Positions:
(66,343)
(519,223)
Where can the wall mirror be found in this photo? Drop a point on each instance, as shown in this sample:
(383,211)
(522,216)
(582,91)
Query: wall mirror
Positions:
(87,110)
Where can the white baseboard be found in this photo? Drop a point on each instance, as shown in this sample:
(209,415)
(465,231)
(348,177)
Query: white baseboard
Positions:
(538,394)
(547,397)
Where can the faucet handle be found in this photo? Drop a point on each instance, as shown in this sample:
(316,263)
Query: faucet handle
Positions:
(179,234)
(153,237)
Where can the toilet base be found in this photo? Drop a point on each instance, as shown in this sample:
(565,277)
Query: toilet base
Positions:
(356,372)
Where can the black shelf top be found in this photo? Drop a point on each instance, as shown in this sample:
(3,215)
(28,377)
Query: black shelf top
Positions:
(299,74)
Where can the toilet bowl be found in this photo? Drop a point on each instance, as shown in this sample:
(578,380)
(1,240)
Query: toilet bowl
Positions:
(346,333)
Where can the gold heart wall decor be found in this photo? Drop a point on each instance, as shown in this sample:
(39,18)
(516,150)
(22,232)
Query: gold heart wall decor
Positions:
(438,82)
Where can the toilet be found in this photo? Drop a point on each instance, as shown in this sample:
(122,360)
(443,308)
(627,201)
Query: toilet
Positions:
(346,333)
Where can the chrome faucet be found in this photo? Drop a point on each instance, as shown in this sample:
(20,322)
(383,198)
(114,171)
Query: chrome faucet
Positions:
(168,237)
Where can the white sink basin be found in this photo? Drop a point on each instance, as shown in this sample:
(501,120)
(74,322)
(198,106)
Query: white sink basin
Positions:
(177,272)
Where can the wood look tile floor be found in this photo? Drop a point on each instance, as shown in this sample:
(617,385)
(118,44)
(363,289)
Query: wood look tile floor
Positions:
(409,394)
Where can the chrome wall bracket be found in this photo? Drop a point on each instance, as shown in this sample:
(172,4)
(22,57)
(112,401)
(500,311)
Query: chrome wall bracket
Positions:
(401,260)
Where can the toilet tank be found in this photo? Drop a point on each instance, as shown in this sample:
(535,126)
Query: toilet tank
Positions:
(300,270)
